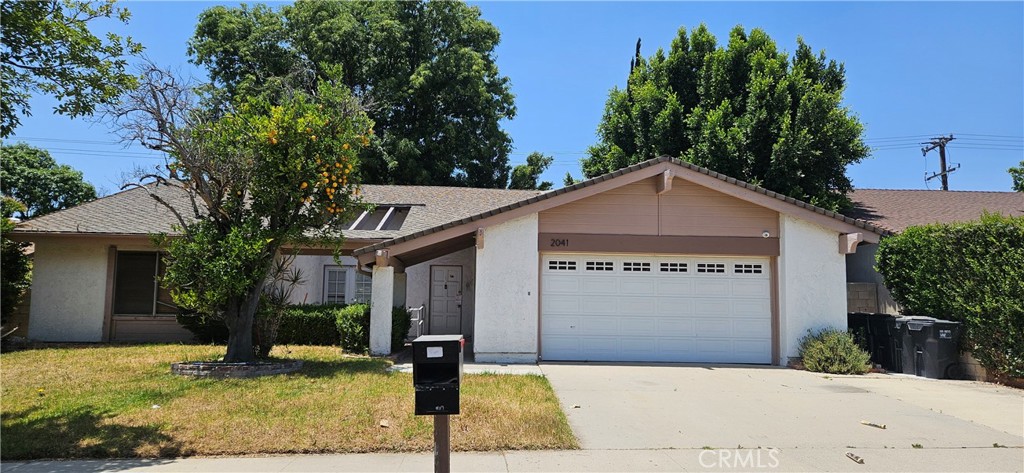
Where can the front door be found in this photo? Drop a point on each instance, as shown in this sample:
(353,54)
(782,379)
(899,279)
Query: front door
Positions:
(445,300)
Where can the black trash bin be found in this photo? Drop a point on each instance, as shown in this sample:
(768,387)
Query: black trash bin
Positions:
(929,347)
(874,333)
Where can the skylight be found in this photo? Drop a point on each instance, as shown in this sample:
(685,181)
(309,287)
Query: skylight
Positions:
(382,217)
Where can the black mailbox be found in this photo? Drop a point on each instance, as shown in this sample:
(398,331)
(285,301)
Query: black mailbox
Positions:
(437,373)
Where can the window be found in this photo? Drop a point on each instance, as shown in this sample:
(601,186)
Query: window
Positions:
(631,266)
(747,269)
(136,290)
(383,217)
(561,265)
(710,267)
(673,267)
(345,285)
(600,266)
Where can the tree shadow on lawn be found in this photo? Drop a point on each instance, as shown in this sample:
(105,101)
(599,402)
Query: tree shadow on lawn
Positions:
(82,433)
(331,368)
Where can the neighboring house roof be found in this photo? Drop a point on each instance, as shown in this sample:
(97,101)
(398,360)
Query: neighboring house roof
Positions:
(135,212)
(636,167)
(895,210)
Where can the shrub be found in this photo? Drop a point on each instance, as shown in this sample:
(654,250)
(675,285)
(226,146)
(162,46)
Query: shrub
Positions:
(833,351)
(969,272)
(307,324)
(400,322)
(205,328)
(353,323)
(310,324)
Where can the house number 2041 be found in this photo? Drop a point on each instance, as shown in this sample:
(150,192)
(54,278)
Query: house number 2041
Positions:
(557,242)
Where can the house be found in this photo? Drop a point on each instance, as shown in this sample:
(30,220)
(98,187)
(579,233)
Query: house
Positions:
(894,211)
(660,261)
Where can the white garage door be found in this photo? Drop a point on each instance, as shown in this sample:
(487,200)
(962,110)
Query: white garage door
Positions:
(655,308)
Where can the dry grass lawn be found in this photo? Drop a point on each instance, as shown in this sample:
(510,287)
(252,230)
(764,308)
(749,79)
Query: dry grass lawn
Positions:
(122,401)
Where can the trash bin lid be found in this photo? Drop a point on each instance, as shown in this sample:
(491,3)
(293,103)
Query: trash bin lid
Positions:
(917,322)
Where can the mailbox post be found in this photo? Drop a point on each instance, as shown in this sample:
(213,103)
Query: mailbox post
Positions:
(436,377)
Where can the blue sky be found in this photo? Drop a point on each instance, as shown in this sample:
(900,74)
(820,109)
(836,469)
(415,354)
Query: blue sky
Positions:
(914,70)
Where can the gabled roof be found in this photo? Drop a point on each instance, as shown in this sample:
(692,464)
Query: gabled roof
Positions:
(895,210)
(733,182)
(135,212)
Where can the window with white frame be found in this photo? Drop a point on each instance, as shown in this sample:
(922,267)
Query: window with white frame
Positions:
(345,285)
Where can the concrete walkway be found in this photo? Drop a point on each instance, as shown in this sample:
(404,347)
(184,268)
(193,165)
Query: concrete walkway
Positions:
(708,418)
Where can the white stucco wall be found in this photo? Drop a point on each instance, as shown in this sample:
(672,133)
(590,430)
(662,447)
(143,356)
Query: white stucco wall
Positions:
(68,290)
(507,284)
(812,282)
(418,287)
(311,291)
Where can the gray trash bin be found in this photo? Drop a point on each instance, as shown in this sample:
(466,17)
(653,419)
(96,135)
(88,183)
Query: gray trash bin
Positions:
(928,346)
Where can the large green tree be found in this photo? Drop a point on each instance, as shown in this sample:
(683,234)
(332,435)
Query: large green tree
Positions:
(1017,174)
(47,47)
(15,265)
(32,177)
(425,70)
(746,110)
(261,176)
(527,176)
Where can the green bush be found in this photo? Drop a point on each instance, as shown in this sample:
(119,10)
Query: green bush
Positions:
(205,328)
(307,324)
(970,272)
(353,324)
(400,322)
(833,351)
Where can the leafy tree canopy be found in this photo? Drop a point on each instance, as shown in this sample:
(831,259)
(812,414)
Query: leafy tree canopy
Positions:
(47,47)
(525,176)
(32,177)
(262,177)
(15,265)
(425,70)
(746,110)
(1017,174)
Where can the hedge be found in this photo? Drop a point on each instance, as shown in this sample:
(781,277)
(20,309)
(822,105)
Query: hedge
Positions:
(969,272)
(353,324)
(308,324)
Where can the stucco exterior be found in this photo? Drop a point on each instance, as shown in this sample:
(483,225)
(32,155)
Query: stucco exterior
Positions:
(812,282)
(68,290)
(507,285)
(311,267)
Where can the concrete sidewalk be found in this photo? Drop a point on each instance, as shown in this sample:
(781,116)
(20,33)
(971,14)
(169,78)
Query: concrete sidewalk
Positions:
(939,460)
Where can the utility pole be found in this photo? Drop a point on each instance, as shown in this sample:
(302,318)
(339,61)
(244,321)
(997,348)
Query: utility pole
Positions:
(940,143)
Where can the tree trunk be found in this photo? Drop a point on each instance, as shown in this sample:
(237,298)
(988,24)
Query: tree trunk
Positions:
(240,347)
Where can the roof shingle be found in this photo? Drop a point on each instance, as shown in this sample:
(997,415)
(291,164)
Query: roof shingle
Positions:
(896,210)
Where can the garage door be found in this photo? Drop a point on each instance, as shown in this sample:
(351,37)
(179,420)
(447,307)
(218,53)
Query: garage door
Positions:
(655,308)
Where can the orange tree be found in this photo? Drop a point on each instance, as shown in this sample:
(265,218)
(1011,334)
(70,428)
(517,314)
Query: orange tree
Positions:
(262,176)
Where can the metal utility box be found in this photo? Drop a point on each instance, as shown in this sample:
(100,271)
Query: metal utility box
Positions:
(437,373)
(929,346)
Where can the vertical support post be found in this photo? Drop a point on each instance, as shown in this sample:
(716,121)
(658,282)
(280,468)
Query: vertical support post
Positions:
(381,303)
(442,444)
(942,166)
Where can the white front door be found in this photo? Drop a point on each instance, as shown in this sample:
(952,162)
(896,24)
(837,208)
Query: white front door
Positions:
(445,300)
(672,308)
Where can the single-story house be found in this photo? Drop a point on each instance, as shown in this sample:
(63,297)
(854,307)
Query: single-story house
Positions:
(659,261)
(895,210)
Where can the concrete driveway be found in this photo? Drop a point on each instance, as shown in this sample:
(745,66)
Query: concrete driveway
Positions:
(697,414)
